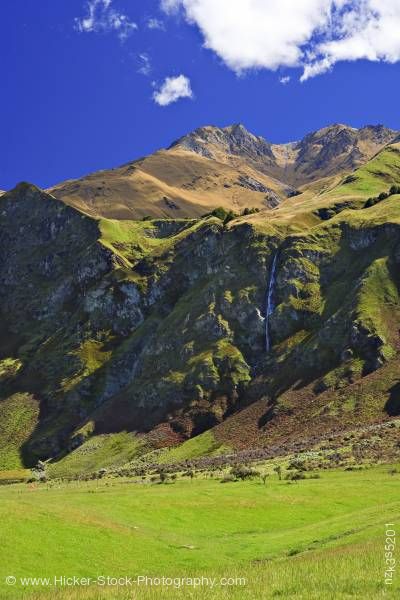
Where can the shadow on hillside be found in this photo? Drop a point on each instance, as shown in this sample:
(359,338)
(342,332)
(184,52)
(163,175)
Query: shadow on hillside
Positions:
(392,406)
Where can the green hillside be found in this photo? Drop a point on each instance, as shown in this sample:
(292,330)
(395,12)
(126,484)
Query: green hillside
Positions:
(157,327)
(274,540)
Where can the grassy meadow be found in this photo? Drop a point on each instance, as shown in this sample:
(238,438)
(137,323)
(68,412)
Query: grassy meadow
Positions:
(317,538)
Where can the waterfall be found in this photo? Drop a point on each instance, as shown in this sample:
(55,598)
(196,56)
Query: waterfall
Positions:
(269,302)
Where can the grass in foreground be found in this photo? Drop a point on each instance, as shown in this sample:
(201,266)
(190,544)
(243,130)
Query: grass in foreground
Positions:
(320,538)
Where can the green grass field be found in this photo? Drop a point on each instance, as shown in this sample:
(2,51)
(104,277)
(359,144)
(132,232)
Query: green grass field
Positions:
(319,538)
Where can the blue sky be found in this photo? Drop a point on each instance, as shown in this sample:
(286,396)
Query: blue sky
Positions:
(79,88)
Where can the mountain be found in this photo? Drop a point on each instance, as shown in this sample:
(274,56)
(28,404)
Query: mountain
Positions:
(229,144)
(275,329)
(171,183)
(335,149)
(227,167)
(329,151)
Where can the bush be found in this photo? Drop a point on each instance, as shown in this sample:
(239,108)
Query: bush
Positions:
(242,472)
(370,202)
(228,479)
(218,212)
(229,217)
(296,476)
(297,464)
(163,476)
(395,189)
(250,211)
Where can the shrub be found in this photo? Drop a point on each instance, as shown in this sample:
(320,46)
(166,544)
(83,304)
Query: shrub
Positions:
(228,478)
(296,476)
(163,476)
(229,217)
(218,212)
(250,211)
(297,464)
(370,202)
(395,189)
(243,472)
(349,179)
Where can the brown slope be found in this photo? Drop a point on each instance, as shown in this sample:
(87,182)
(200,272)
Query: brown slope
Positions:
(173,183)
(227,167)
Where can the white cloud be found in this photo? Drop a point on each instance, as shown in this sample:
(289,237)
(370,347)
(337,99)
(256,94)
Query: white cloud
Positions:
(284,80)
(172,89)
(170,5)
(255,33)
(366,29)
(311,34)
(316,68)
(101,17)
(145,67)
(153,23)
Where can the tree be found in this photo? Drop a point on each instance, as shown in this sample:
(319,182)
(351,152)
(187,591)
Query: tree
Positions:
(163,476)
(395,189)
(296,476)
(243,472)
(229,217)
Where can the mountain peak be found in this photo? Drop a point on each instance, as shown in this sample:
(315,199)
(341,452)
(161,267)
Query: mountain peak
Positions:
(233,140)
(24,191)
(240,169)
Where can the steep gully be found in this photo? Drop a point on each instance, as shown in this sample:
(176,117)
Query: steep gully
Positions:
(269,304)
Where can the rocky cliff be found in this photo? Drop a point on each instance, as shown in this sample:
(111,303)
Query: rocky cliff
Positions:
(159,325)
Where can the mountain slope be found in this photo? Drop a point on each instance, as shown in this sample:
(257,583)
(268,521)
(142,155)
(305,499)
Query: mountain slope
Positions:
(160,324)
(172,183)
(332,150)
(227,167)
(336,149)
